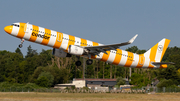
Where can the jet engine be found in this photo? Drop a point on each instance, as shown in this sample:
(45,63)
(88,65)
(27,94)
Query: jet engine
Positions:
(75,50)
(60,53)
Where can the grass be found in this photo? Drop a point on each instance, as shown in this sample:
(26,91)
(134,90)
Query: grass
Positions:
(33,96)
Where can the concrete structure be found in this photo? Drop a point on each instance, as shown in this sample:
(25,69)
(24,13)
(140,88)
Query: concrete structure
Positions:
(77,84)
(125,87)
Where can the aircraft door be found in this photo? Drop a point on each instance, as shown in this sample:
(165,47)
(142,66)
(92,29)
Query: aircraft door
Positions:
(141,60)
(59,37)
(26,27)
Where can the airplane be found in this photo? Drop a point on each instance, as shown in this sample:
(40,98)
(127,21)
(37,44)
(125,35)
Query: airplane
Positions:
(65,45)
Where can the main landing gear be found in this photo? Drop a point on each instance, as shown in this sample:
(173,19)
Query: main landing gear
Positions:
(88,62)
(20,45)
(78,63)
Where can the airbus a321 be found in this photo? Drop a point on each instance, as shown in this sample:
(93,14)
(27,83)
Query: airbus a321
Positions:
(65,45)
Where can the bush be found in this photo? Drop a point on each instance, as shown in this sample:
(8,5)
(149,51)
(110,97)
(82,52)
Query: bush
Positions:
(42,81)
(31,86)
(165,83)
(48,76)
(120,81)
(85,88)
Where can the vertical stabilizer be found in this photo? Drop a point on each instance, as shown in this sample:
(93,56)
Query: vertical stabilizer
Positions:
(156,53)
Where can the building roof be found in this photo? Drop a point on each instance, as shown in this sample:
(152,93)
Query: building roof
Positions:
(94,79)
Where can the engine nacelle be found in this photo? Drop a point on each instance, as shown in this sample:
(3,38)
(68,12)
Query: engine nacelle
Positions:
(75,50)
(60,53)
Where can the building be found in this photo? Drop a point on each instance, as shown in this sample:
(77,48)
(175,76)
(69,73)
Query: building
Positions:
(77,84)
(90,83)
(99,83)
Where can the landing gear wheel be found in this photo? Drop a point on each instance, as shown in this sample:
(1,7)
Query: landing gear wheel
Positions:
(89,62)
(78,63)
(20,45)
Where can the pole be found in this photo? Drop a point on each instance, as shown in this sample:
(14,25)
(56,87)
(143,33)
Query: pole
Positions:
(84,65)
(129,73)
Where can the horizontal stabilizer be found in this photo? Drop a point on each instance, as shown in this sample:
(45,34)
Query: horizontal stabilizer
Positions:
(161,63)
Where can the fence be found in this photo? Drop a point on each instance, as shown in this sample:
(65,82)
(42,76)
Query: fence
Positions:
(157,90)
(165,89)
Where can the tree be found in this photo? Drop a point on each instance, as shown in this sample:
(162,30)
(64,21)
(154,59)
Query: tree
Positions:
(168,73)
(45,57)
(36,73)
(42,81)
(31,52)
(175,59)
(120,81)
(165,83)
(18,51)
(16,69)
(49,76)
(10,66)
(139,80)
(133,49)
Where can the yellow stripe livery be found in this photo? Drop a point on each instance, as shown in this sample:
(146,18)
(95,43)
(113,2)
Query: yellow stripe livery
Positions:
(65,45)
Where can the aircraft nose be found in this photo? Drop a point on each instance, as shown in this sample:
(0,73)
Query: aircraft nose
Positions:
(8,29)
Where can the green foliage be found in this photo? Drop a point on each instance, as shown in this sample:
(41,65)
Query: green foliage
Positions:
(5,84)
(175,59)
(169,73)
(31,86)
(120,81)
(85,88)
(17,85)
(30,52)
(18,51)
(36,74)
(165,83)
(139,80)
(133,49)
(50,78)
(51,70)
(42,81)
(54,74)
(2,78)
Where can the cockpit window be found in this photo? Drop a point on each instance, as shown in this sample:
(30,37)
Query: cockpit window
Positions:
(15,25)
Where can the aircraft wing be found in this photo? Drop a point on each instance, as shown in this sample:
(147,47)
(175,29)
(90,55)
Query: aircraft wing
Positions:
(103,48)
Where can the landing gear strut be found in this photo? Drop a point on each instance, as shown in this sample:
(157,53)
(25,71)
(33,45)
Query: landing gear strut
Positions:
(20,45)
(88,62)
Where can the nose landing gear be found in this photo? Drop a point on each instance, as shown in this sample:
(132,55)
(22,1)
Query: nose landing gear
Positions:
(20,45)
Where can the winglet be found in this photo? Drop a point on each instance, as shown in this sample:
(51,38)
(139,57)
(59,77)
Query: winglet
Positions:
(132,40)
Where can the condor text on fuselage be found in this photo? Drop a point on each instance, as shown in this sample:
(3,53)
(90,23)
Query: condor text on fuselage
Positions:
(39,35)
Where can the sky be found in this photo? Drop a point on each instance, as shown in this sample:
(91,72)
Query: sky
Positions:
(102,21)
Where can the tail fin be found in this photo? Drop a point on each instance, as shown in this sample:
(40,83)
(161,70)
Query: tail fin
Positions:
(156,53)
